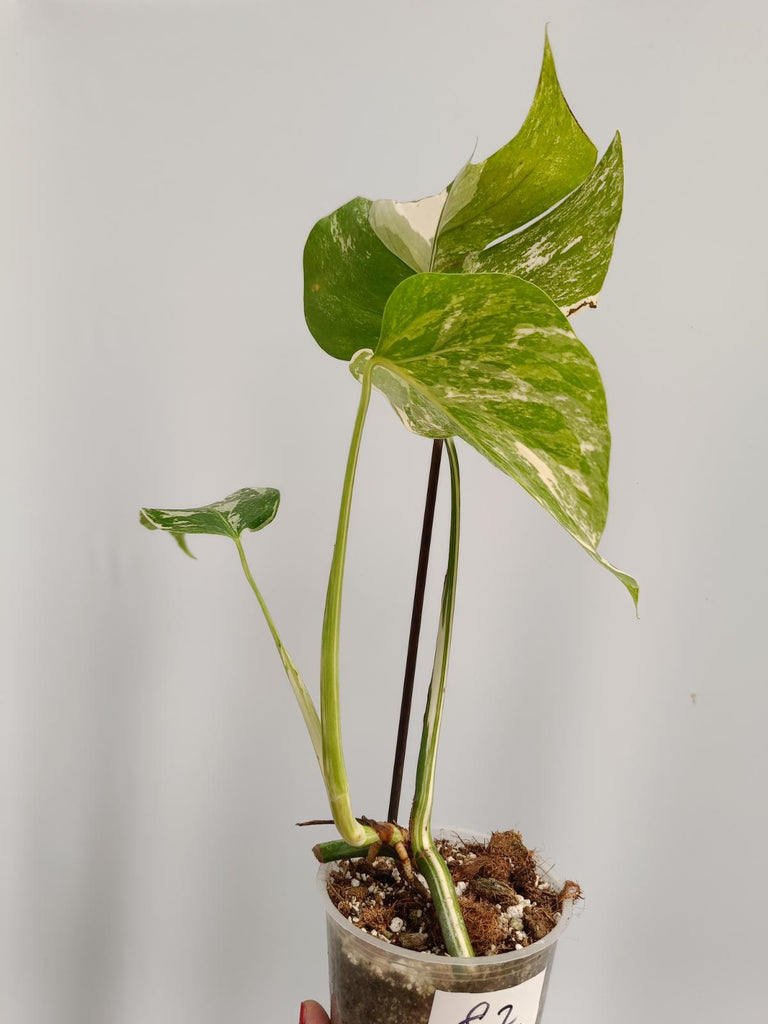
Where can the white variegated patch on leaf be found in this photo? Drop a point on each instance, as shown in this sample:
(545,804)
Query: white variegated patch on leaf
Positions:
(247,509)
(408,229)
(567,252)
(491,359)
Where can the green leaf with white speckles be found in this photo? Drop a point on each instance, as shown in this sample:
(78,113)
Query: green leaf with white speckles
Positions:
(547,159)
(348,276)
(247,509)
(568,251)
(491,359)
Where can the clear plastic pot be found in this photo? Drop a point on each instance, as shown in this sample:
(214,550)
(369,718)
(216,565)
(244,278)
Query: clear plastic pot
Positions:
(374,982)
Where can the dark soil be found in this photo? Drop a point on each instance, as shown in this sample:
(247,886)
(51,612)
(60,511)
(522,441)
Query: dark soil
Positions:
(505,903)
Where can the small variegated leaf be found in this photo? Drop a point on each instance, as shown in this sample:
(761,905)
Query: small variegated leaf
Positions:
(567,252)
(247,509)
(408,229)
(546,160)
(491,359)
(348,276)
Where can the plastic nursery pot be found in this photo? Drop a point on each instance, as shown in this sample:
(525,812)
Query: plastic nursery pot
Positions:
(373,982)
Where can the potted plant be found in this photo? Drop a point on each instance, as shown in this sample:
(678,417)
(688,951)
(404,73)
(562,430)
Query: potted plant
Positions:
(455,307)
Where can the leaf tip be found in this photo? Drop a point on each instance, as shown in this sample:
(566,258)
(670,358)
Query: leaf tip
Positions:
(181,540)
(634,592)
(547,46)
(550,82)
(629,582)
(548,58)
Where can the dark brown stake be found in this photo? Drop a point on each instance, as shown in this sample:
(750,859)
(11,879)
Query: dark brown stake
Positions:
(413,637)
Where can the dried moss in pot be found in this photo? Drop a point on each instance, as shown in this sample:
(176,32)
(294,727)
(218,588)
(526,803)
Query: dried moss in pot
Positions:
(386,955)
(506,901)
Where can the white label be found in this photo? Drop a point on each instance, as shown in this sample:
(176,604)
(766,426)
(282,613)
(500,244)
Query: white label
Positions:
(518,1005)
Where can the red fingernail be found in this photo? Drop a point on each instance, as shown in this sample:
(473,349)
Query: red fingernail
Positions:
(302,1014)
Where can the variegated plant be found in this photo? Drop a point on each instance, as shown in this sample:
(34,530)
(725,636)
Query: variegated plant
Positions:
(456,307)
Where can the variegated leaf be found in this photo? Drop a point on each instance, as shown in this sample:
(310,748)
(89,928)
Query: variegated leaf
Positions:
(568,251)
(348,276)
(546,160)
(491,359)
(408,229)
(246,509)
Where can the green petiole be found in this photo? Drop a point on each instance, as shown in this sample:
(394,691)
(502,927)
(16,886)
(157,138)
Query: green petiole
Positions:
(334,768)
(303,696)
(427,859)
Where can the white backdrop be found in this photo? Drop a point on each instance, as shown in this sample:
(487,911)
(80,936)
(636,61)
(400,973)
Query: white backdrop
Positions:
(162,164)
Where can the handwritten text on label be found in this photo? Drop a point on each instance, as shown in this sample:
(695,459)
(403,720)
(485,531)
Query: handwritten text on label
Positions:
(517,1005)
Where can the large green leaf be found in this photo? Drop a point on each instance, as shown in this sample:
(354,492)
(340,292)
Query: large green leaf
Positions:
(247,509)
(546,160)
(348,276)
(568,251)
(491,359)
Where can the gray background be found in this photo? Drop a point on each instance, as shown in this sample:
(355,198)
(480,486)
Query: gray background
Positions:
(162,164)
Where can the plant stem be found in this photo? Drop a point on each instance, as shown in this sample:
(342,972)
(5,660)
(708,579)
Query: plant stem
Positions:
(334,769)
(337,849)
(300,691)
(425,854)
(415,631)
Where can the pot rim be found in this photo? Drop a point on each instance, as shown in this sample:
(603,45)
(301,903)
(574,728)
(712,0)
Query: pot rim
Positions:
(435,958)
